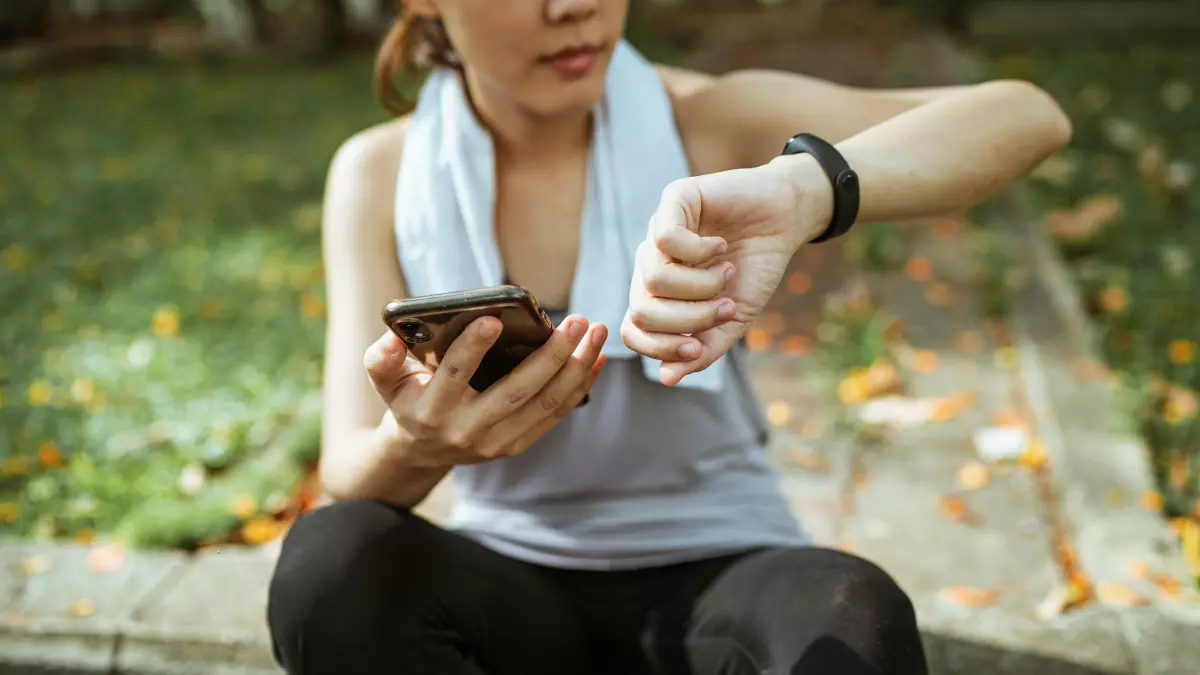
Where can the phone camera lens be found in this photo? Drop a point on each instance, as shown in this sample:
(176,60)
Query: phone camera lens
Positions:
(414,330)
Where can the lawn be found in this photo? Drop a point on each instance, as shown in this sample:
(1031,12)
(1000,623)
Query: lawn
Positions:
(161,288)
(1124,204)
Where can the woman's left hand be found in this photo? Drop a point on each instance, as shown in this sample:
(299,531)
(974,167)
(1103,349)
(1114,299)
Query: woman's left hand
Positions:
(716,250)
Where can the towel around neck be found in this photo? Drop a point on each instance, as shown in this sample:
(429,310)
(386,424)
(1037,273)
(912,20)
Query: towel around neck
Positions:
(446,190)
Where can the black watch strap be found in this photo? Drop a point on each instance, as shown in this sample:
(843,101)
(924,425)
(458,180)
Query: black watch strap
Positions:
(841,176)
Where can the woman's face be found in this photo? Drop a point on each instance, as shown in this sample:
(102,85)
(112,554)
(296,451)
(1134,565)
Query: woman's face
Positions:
(547,56)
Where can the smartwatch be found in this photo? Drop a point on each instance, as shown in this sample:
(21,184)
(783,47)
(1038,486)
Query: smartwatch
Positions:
(841,176)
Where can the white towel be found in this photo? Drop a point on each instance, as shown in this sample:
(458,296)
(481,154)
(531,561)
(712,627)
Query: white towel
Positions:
(446,191)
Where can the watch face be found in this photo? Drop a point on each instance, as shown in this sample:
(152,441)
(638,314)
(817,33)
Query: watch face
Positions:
(848,180)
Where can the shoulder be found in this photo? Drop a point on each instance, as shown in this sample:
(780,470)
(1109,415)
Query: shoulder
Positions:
(372,154)
(705,144)
(360,185)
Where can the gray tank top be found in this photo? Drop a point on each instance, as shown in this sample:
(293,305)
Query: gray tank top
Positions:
(642,475)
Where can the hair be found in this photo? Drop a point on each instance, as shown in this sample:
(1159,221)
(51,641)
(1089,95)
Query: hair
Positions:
(413,45)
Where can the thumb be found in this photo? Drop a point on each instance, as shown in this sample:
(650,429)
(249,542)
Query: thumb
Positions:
(390,369)
(675,225)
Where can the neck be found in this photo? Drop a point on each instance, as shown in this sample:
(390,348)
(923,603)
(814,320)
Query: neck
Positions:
(521,135)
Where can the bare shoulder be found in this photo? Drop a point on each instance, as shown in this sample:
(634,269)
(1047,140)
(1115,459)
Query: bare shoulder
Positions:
(360,186)
(371,155)
(682,83)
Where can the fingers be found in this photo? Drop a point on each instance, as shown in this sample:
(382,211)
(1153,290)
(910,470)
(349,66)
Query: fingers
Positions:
(674,225)
(556,396)
(663,277)
(390,369)
(527,379)
(458,365)
(664,315)
(660,346)
(529,436)
(713,344)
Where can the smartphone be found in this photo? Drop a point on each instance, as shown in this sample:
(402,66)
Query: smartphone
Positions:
(427,324)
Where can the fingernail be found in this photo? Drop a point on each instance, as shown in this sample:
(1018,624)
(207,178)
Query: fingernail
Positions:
(598,336)
(722,247)
(725,311)
(489,329)
(728,273)
(689,351)
(576,330)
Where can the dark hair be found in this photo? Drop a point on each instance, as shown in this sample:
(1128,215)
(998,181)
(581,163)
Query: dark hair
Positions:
(413,45)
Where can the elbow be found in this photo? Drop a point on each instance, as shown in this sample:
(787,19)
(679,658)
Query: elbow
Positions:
(1048,122)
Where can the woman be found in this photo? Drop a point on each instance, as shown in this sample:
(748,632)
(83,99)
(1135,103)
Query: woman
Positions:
(643,532)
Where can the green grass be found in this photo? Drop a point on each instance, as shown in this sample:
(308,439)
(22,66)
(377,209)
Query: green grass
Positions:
(1136,140)
(160,284)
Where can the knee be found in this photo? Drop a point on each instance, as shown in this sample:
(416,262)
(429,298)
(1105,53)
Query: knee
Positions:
(857,591)
(333,563)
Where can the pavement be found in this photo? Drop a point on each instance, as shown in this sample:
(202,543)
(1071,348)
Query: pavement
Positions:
(1045,561)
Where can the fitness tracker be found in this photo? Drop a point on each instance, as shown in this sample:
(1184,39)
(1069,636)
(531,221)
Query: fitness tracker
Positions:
(841,176)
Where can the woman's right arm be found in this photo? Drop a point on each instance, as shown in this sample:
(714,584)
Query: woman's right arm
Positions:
(361,443)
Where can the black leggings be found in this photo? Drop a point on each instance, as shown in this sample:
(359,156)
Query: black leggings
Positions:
(361,587)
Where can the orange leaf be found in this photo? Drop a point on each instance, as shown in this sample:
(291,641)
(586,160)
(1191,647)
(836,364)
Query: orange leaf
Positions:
(82,608)
(1181,351)
(1061,599)
(919,268)
(1033,457)
(939,295)
(49,455)
(1119,595)
(968,596)
(259,531)
(798,283)
(924,361)
(796,345)
(758,340)
(956,508)
(779,413)
(973,475)
(808,459)
(1151,500)
(1114,299)
(1085,221)
(969,341)
(243,506)
(106,558)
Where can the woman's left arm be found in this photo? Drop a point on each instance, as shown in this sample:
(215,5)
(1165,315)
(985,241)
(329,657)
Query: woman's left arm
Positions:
(719,243)
(917,152)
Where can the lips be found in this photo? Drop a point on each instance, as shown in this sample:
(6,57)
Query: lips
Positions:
(573,61)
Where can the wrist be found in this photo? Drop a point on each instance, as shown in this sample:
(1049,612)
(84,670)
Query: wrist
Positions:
(813,194)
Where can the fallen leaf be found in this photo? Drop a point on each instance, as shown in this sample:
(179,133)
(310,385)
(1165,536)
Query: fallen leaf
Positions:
(1085,221)
(969,596)
(939,295)
(259,531)
(758,340)
(796,345)
(779,413)
(949,407)
(1061,599)
(1119,594)
(924,361)
(798,283)
(85,537)
(1190,541)
(969,341)
(82,608)
(49,455)
(812,429)
(1151,500)
(919,268)
(808,459)
(973,475)
(772,322)
(106,558)
(1168,586)
(956,508)
(1181,351)
(997,444)
(1113,299)
(1033,456)
(243,506)
(35,565)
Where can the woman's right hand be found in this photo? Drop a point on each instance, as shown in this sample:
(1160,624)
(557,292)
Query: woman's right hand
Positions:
(445,422)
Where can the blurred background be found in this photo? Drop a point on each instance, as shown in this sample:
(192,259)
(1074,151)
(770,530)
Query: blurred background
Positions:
(161,171)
